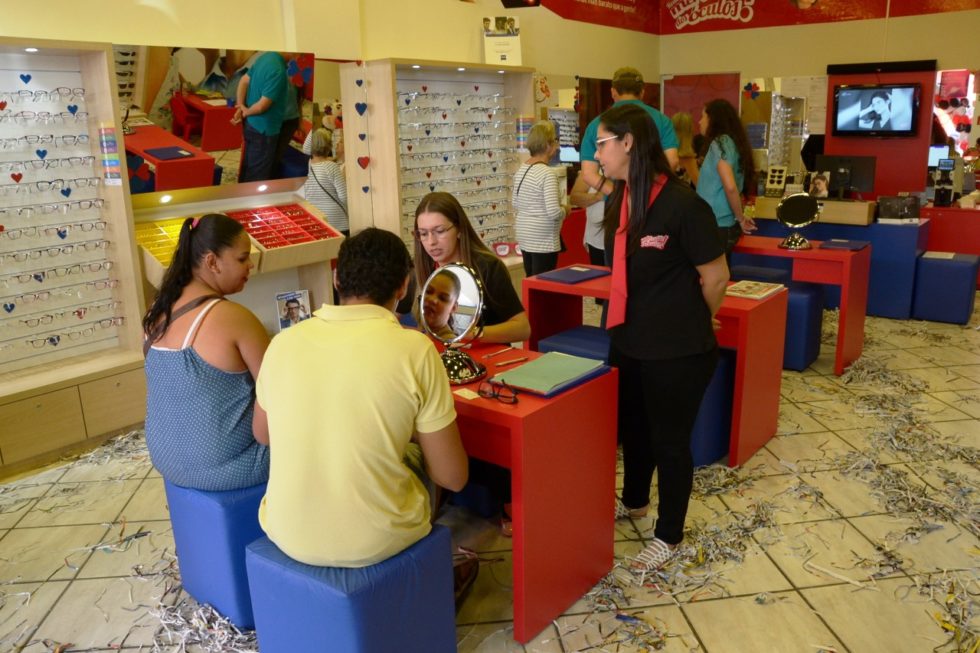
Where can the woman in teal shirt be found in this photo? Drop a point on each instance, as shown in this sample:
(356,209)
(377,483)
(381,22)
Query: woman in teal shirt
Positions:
(727,171)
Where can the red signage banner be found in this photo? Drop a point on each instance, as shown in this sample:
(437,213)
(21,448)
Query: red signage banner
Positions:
(690,16)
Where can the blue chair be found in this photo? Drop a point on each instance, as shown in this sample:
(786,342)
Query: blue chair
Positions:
(712,429)
(945,288)
(402,604)
(211,531)
(585,341)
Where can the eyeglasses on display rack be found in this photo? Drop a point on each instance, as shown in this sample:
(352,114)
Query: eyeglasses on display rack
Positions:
(54,95)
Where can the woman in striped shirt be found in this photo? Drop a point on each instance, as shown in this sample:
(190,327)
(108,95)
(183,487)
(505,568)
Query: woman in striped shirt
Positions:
(537,202)
(325,187)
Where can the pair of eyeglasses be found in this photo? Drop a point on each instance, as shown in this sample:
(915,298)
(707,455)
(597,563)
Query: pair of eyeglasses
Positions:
(34,232)
(38,343)
(438,232)
(499,391)
(599,142)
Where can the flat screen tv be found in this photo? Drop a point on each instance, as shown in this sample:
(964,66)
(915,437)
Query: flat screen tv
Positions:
(889,110)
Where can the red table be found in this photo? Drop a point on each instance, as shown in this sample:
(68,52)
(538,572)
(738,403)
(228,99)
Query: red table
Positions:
(755,329)
(561,453)
(217,132)
(844,268)
(172,174)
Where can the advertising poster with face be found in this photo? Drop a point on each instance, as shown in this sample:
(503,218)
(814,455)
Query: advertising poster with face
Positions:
(292,307)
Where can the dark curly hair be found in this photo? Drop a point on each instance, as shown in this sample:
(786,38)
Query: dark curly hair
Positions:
(373,263)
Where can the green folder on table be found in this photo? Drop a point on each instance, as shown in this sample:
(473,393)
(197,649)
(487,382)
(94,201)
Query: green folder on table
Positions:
(552,373)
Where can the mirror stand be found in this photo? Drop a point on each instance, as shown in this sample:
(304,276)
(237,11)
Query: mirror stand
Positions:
(461,368)
(796,241)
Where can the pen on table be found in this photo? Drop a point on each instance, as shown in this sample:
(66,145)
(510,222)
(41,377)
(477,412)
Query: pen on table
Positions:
(498,352)
(511,361)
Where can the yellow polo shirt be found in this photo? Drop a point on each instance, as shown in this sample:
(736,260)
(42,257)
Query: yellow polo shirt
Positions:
(345,391)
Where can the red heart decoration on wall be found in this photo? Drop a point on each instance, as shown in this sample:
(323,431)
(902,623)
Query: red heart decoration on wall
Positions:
(3,105)
(409,147)
(444,115)
(462,143)
(478,181)
(493,206)
(428,174)
(490,116)
(16,176)
(424,88)
(489,155)
(363,161)
(476,88)
(2,228)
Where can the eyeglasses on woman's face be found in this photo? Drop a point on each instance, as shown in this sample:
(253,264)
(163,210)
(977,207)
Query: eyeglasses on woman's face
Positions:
(599,142)
(438,232)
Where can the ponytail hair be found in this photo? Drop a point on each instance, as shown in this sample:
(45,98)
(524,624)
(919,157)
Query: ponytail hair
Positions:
(213,232)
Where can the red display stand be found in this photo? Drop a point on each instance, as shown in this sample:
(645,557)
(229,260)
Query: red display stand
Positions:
(187,172)
(953,230)
(844,268)
(217,132)
(561,452)
(755,329)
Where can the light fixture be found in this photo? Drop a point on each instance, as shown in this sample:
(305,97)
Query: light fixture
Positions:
(461,69)
(30,49)
(500,72)
(263,188)
(165,199)
(416,66)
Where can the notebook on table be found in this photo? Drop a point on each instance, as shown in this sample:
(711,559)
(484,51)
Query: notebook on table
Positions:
(168,153)
(573,274)
(552,373)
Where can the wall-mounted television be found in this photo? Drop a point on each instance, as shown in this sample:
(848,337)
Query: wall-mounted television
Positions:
(876,109)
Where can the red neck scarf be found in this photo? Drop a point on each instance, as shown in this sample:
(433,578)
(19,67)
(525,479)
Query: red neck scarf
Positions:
(618,292)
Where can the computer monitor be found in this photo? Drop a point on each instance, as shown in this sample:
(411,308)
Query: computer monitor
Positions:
(848,173)
(568,154)
(937,152)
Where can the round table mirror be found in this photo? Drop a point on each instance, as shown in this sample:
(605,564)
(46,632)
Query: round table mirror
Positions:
(797,211)
(450,306)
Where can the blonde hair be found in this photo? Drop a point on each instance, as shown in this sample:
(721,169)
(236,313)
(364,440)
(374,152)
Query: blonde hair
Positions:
(541,137)
(321,142)
(684,126)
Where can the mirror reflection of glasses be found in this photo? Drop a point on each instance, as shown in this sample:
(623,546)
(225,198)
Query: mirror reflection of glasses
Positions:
(438,232)
(499,391)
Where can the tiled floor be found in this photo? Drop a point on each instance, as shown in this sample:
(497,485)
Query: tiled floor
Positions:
(852,530)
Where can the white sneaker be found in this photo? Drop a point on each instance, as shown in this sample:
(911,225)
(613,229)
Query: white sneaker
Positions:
(622,512)
(657,554)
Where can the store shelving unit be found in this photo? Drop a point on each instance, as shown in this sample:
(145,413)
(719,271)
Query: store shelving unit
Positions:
(70,352)
(411,127)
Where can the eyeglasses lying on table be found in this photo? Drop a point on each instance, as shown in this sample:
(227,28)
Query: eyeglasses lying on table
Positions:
(499,391)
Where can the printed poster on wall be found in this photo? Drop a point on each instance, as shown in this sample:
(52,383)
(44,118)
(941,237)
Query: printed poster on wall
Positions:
(502,40)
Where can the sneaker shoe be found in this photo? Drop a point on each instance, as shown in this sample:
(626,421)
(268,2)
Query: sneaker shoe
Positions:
(657,554)
(622,512)
(465,571)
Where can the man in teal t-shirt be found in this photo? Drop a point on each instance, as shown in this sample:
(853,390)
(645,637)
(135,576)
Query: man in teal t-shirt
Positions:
(627,86)
(261,104)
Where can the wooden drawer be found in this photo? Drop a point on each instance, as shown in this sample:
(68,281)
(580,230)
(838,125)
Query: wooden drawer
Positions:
(40,424)
(114,402)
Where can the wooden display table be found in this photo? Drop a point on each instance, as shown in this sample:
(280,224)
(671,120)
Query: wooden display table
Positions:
(844,268)
(754,329)
(561,452)
(831,211)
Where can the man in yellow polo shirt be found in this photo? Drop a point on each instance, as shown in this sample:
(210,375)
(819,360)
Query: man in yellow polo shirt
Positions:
(346,393)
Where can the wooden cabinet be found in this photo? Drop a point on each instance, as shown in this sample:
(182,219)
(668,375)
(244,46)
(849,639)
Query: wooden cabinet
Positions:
(114,402)
(71,302)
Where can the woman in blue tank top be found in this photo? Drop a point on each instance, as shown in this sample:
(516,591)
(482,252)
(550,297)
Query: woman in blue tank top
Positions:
(202,357)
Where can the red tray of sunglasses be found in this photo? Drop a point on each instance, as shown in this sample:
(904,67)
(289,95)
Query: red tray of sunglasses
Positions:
(289,235)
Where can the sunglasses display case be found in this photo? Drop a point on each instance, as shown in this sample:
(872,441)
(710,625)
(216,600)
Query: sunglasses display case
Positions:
(70,308)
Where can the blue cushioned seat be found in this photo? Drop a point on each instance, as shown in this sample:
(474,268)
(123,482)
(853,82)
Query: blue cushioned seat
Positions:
(804,320)
(945,288)
(712,429)
(402,604)
(585,341)
(211,531)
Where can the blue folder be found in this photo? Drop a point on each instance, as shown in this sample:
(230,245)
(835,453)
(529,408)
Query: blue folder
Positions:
(573,274)
(167,153)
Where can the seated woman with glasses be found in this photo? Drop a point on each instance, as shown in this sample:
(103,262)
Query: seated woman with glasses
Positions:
(443,235)
(202,357)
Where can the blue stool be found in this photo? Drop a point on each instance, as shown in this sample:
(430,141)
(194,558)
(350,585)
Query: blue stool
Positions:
(211,531)
(804,321)
(945,288)
(403,604)
(585,341)
(712,429)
